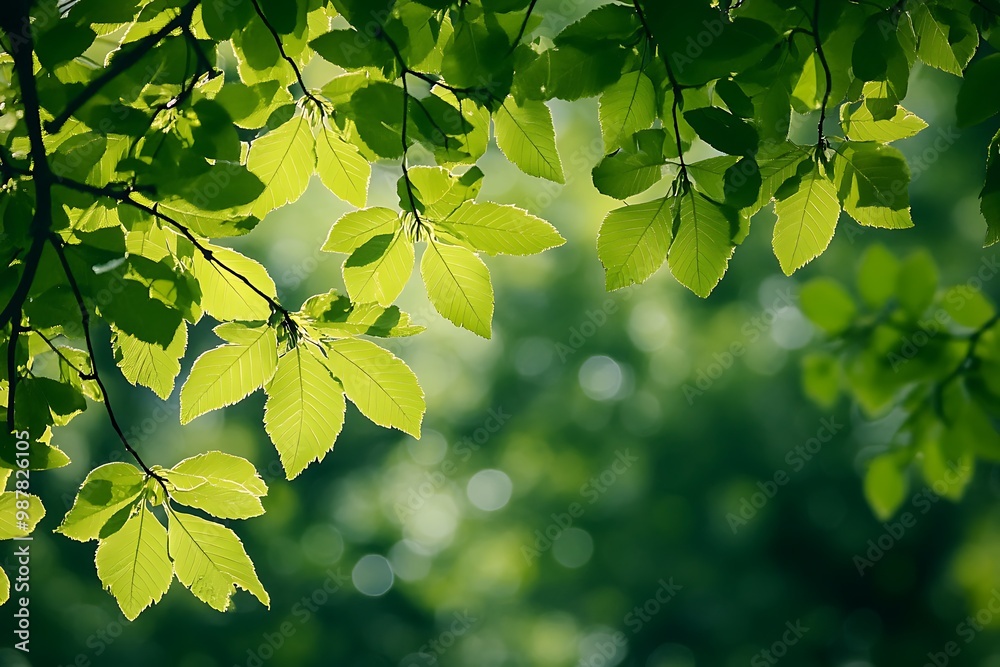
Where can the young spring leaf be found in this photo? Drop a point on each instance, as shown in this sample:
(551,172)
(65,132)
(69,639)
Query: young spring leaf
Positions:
(224,295)
(10,525)
(305,409)
(341,167)
(225,486)
(229,373)
(104,500)
(627,106)
(378,270)
(132,563)
(210,560)
(501,230)
(702,244)
(149,364)
(458,285)
(527,137)
(283,159)
(381,385)
(634,241)
(807,219)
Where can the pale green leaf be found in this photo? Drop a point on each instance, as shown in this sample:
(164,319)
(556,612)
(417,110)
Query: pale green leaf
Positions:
(703,244)
(211,561)
(223,485)
(342,168)
(229,373)
(356,228)
(527,137)
(148,364)
(860,124)
(283,159)
(807,219)
(106,491)
(305,409)
(873,184)
(224,295)
(132,563)
(381,385)
(378,270)
(634,240)
(502,230)
(885,486)
(626,106)
(458,285)
(11,525)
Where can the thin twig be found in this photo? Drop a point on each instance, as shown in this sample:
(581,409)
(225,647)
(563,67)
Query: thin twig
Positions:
(821,143)
(281,49)
(57,244)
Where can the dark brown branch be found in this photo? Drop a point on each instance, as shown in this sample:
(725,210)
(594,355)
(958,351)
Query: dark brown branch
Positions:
(52,346)
(121,63)
(291,61)
(821,142)
(57,244)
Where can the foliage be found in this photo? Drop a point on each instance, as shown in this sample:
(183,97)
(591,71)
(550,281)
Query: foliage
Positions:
(118,180)
(900,340)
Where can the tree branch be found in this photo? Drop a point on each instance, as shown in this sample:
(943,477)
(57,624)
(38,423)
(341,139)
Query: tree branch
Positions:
(821,142)
(295,68)
(57,244)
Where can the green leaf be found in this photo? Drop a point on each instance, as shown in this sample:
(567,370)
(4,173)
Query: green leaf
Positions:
(377,271)
(990,194)
(381,385)
(283,159)
(917,282)
(351,49)
(807,219)
(210,560)
(11,524)
(4,587)
(945,39)
(702,242)
(132,563)
(860,124)
(968,307)
(877,274)
(627,106)
(105,494)
(356,228)
(224,295)
(225,486)
(149,364)
(885,485)
(305,409)
(821,378)
(827,305)
(634,168)
(634,240)
(229,373)
(723,131)
(873,184)
(335,315)
(501,230)
(979,97)
(342,168)
(458,285)
(527,137)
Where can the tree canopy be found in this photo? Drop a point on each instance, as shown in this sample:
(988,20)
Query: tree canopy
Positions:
(137,137)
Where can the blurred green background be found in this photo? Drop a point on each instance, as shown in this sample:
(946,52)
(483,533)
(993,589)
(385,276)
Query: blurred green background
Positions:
(578,421)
